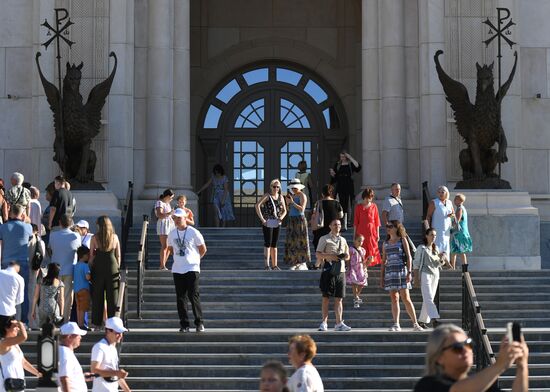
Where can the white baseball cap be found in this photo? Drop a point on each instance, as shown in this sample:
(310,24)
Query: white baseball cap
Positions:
(83,223)
(180,212)
(116,324)
(71,328)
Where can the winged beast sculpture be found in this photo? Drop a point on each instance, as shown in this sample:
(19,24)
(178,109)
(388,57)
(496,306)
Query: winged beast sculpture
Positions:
(479,124)
(76,124)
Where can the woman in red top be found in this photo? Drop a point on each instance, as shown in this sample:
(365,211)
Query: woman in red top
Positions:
(367,223)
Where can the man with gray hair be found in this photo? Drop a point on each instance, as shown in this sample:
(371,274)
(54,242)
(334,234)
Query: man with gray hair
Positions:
(393,206)
(18,194)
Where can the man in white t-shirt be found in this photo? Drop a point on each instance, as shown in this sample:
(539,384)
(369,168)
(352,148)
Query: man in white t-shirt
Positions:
(12,289)
(306,378)
(188,248)
(105,359)
(70,375)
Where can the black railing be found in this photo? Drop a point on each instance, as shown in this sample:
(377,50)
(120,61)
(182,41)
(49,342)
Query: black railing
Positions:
(143,255)
(472,323)
(127,221)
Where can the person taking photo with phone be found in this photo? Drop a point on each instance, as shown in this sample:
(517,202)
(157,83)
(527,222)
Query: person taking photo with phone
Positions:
(449,358)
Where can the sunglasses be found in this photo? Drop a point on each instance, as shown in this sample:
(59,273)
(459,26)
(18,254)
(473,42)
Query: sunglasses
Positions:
(459,347)
(390,226)
(275,186)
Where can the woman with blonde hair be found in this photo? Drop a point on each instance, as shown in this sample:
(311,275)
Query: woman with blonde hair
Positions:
(449,358)
(439,216)
(461,242)
(271,209)
(105,267)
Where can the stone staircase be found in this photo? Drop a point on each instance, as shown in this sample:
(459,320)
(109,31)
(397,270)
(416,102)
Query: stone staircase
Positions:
(521,296)
(250,314)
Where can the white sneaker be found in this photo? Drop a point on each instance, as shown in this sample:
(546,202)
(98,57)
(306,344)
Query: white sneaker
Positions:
(323,326)
(418,328)
(292,268)
(358,300)
(301,267)
(356,305)
(342,327)
(395,328)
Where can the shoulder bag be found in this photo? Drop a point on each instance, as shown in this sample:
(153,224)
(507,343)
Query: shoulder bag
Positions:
(336,266)
(13,384)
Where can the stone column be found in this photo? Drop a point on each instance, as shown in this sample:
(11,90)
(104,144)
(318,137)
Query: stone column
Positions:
(43,132)
(393,130)
(370,94)
(121,114)
(181,176)
(433,129)
(159,138)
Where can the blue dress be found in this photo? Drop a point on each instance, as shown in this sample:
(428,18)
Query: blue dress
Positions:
(395,271)
(461,242)
(225,212)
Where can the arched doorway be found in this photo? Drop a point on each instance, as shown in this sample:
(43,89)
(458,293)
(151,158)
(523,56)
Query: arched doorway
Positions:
(259,123)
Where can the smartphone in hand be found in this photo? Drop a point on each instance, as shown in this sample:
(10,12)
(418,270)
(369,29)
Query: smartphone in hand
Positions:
(513,332)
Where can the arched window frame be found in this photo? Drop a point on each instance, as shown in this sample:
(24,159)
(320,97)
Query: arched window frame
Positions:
(328,112)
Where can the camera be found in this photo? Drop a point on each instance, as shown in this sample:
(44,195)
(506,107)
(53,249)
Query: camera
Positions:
(181,252)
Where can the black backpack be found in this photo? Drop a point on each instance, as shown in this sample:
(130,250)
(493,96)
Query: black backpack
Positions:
(37,257)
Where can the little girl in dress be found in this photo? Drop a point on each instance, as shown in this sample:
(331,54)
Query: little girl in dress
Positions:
(357,274)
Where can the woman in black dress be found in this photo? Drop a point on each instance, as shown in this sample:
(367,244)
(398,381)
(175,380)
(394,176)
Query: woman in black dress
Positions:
(331,209)
(341,175)
(449,358)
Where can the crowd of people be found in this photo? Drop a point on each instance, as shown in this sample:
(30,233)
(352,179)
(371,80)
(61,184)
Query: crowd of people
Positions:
(53,271)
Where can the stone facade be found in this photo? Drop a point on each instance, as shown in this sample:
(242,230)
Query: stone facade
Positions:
(377,55)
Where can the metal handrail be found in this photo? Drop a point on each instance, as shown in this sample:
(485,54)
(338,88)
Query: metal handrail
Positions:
(127,221)
(121,305)
(473,323)
(143,255)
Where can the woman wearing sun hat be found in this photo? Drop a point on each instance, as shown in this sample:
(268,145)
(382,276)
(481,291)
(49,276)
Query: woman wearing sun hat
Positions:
(297,253)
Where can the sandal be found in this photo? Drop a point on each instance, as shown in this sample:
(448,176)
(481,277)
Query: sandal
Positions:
(276,268)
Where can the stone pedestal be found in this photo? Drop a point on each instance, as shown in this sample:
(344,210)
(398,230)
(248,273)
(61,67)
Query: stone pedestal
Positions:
(91,204)
(505,230)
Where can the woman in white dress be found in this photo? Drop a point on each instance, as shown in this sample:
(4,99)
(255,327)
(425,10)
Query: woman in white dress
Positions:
(13,361)
(439,216)
(165,224)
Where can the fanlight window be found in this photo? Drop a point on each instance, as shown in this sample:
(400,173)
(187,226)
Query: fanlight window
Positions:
(292,116)
(253,115)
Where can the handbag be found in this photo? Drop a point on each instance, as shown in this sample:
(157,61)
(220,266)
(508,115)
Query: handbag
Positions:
(13,384)
(317,217)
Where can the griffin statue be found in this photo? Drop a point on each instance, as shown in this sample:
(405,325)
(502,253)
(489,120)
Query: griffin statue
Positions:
(76,124)
(480,126)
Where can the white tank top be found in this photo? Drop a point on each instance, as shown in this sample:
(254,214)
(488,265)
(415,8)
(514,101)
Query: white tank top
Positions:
(12,365)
